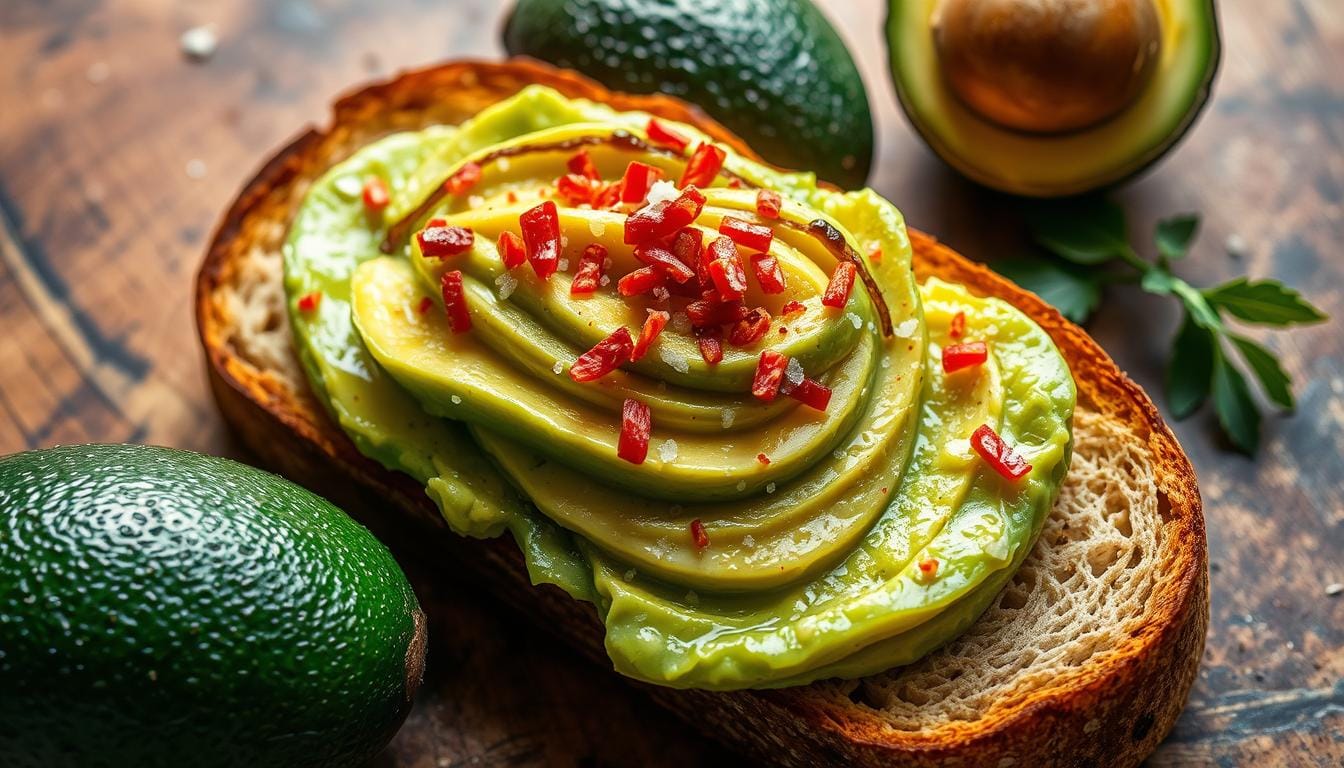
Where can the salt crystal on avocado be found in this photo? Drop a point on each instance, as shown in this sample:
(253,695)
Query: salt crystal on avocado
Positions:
(793,372)
(667,451)
(507,283)
(663,190)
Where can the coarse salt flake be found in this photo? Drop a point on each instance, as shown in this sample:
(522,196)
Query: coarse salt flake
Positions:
(507,283)
(667,451)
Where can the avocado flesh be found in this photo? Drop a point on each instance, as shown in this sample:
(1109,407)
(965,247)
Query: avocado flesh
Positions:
(614,547)
(1056,165)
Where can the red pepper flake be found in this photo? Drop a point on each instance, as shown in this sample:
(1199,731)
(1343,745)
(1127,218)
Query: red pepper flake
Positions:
(768,203)
(997,454)
(791,307)
(653,326)
(636,426)
(783,331)
(436,222)
(957,357)
(769,373)
(698,535)
(928,568)
(657,221)
(811,393)
(744,233)
(710,348)
(376,195)
(424,305)
(463,179)
(765,460)
(310,301)
(588,276)
(541,238)
(750,329)
(703,167)
(511,250)
(768,274)
(957,327)
(725,269)
(455,302)
(660,133)
(512,196)
(576,190)
(664,261)
(639,282)
(605,356)
(875,255)
(735,183)
(582,164)
(637,180)
(842,282)
(441,242)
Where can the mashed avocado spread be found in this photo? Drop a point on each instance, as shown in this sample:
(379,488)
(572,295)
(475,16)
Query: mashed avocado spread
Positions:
(812,466)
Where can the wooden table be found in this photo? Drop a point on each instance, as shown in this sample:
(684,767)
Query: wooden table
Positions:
(117,153)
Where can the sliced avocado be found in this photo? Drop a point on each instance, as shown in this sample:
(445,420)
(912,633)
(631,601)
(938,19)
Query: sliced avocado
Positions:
(1037,146)
(163,608)
(773,71)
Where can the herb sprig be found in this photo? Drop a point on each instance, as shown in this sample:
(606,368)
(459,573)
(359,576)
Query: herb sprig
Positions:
(1088,240)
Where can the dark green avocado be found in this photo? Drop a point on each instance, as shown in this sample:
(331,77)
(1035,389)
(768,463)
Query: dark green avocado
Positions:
(163,608)
(773,71)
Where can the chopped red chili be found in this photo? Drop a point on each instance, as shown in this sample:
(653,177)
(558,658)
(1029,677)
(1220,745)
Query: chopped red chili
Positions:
(660,133)
(541,238)
(842,282)
(637,180)
(588,276)
(957,357)
(653,326)
(511,249)
(582,164)
(765,460)
(441,242)
(750,329)
(928,568)
(656,221)
(712,312)
(641,281)
(436,222)
(997,454)
(744,233)
(735,183)
(463,179)
(875,255)
(309,302)
(664,261)
(768,203)
(703,166)
(636,426)
(376,195)
(768,274)
(607,196)
(455,301)
(725,269)
(811,393)
(606,356)
(512,196)
(424,305)
(792,307)
(958,325)
(769,374)
(687,245)
(710,347)
(698,535)
(575,189)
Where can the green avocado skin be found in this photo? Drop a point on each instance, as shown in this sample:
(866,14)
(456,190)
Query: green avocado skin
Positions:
(164,608)
(773,71)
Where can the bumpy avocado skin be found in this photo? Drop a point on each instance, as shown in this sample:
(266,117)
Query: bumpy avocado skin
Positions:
(773,71)
(163,608)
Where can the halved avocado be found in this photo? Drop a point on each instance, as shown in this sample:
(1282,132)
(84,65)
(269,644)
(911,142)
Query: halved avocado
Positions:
(1050,153)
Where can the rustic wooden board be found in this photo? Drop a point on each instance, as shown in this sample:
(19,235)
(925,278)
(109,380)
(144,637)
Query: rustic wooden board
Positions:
(117,154)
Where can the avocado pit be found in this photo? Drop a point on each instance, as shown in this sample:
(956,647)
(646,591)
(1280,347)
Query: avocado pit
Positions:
(1047,66)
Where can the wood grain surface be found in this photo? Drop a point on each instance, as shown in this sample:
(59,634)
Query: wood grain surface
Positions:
(117,153)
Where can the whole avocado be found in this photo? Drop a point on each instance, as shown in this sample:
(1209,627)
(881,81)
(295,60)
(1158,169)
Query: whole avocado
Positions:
(164,608)
(773,71)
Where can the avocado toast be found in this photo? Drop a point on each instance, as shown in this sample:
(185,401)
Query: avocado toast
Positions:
(262,390)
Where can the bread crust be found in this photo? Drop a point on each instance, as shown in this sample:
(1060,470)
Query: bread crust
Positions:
(1109,711)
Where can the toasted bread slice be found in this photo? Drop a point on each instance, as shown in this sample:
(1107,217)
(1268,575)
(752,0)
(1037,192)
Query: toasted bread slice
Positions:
(1084,659)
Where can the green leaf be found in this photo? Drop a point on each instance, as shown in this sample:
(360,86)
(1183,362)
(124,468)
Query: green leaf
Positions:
(1074,291)
(1159,281)
(1236,410)
(1267,302)
(1275,381)
(1174,235)
(1086,231)
(1190,369)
